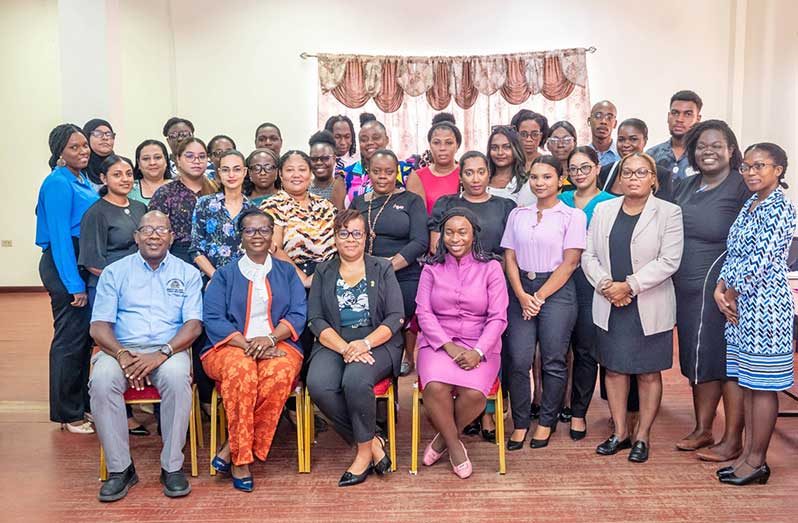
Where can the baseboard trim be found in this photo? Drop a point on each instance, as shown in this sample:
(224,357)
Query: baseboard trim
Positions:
(8,290)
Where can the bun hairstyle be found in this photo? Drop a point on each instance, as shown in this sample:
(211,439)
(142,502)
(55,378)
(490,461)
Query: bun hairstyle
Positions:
(777,154)
(325,137)
(445,121)
(366,118)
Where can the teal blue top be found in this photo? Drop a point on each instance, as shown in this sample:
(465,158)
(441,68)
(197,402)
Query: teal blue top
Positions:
(353,303)
(568,199)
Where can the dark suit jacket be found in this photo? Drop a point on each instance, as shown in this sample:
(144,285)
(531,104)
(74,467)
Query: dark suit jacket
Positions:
(385,303)
(665,191)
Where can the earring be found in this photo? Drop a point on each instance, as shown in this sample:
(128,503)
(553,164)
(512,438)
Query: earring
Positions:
(60,161)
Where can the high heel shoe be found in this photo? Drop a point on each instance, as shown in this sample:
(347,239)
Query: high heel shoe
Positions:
(516,445)
(759,475)
(724,471)
(83,428)
(220,465)
(464,469)
(540,443)
(383,466)
(243,484)
(349,479)
(576,435)
(432,456)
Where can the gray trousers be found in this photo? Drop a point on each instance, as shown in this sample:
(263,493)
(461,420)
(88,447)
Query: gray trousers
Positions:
(106,388)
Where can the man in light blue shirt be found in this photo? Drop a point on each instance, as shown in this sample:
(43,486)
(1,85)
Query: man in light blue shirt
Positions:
(602,121)
(147,312)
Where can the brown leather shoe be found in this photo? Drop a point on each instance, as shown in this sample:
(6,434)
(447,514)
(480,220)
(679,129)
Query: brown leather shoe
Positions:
(714,457)
(690,445)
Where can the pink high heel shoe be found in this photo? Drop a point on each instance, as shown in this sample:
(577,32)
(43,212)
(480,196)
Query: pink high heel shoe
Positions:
(464,469)
(431,456)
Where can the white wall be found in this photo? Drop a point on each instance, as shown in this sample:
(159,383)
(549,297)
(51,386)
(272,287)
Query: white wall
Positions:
(229,66)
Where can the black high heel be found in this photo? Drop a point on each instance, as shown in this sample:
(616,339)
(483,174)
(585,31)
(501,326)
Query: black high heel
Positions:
(759,475)
(349,479)
(383,466)
(724,471)
(540,443)
(517,445)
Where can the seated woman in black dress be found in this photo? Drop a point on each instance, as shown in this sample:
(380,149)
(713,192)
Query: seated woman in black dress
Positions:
(396,225)
(634,246)
(355,311)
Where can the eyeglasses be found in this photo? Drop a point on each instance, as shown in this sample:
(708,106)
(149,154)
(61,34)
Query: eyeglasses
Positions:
(346,233)
(756,167)
(531,134)
(191,157)
(324,159)
(640,173)
(180,135)
(584,169)
(250,232)
(149,230)
(554,142)
(238,169)
(510,128)
(219,152)
(262,168)
(598,115)
(103,134)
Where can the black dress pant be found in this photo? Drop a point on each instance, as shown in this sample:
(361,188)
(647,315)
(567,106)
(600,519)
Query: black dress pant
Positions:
(552,327)
(344,392)
(70,350)
(583,341)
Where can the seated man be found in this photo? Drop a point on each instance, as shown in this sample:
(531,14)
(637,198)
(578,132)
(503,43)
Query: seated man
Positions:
(146,314)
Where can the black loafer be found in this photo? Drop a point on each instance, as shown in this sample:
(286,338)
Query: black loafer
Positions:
(175,484)
(613,445)
(349,479)
(639,452)
(759,475)
(724,471)
(472,429)
(117,484)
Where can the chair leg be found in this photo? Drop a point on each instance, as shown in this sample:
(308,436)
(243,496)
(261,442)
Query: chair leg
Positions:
(198,417)
(500,429)
(300,429)
(222,424)
(392,425)
(415,433)
(192,435)
(103,468)
(309,427)
(213,427)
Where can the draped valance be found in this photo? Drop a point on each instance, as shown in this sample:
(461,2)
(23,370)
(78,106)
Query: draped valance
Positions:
(355,79)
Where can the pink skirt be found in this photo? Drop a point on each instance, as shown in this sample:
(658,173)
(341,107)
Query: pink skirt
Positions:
(439,366)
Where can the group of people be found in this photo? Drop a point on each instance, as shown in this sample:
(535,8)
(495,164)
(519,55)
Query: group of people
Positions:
(344,265)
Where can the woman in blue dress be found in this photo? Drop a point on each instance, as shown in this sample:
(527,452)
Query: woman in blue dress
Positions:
(754,296)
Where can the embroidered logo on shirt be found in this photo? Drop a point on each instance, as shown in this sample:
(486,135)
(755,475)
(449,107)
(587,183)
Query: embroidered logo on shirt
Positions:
(398,207)
(175,287)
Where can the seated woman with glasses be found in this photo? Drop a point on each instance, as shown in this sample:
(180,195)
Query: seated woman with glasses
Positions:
(462,310)
(254,311)
(261,181)
(178,198)
(507,164)
(634,246)
(533,128)
(355,310)
(215,240)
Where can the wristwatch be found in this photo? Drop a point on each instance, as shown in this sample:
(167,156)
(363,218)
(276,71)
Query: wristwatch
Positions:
(166,350)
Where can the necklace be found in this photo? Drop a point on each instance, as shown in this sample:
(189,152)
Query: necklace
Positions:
(372,224)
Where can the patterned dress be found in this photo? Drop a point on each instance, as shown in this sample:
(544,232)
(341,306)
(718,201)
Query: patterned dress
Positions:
(759,348)
(213,231)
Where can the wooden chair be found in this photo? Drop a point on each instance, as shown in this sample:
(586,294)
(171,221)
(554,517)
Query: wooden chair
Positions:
(149,395)
(494,395)
(218,407)
(382,390)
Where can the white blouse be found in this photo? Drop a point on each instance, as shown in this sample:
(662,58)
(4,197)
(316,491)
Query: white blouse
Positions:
(523,198)
(258,323)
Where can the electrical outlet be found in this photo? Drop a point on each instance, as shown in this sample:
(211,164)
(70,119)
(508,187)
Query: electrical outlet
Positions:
(6,243)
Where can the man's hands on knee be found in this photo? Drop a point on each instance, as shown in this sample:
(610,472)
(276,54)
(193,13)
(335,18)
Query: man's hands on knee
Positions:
(138,367)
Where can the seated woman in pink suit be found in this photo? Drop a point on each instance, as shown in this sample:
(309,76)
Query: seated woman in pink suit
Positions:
(462,310)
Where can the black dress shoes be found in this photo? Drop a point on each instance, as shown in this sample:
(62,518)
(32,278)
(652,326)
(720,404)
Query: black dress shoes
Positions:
(472,429)
(639,452)
(383,466)
(576,435)
(349,479)
(540,443)
(489,435)
(516,445)
(759,475)
(613,445)
(724,471)
(175,484)
(117,484)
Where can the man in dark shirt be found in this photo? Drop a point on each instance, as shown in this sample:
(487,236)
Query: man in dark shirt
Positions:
(685,112)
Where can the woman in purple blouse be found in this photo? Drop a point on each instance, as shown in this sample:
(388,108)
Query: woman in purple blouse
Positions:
(462,311)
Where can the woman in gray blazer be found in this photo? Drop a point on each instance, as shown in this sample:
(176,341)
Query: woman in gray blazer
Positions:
(634,246)
(356,312)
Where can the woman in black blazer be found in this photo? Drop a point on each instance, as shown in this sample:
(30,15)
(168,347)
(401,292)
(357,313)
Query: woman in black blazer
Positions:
(356,312)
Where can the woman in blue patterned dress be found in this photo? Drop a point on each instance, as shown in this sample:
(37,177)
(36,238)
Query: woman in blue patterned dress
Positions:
(754,296)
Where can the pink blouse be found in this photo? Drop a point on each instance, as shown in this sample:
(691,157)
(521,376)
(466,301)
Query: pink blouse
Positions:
(437,186)
(539,246)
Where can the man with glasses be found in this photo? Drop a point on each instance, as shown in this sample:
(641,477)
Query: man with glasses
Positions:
(147,313)
(684,113)
(602,121)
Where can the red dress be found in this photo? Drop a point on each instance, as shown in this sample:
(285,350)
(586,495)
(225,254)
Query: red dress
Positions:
(437,186)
